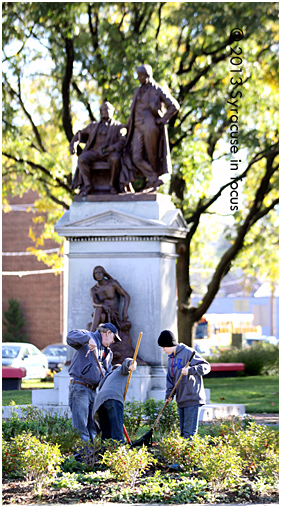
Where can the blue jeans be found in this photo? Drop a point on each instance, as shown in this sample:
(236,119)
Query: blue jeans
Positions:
(81,402)
(111,420)
(189,418)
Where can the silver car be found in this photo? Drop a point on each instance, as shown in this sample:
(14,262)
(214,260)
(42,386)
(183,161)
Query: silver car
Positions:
(23,354)
(56,354)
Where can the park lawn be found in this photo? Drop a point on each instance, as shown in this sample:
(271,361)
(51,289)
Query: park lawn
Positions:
(24,396)
(260,394)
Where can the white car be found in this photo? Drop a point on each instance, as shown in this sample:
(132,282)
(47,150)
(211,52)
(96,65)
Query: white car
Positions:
(23,354)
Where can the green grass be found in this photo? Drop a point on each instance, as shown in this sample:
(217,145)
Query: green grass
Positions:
(260,394)
(24,396)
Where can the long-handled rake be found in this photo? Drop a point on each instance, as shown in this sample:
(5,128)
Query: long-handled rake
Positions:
(146,439)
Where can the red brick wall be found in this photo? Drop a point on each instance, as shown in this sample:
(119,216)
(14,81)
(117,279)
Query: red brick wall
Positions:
(40,295)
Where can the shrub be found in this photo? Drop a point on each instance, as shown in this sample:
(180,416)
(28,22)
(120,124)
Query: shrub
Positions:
(176,449)
(269,469)
(31,458)
(137,414)
(254,445)
(220,464)
(127,464)
(89,451)
(169,420)
(261,358)
(53,428)
(133,417)
(214,460)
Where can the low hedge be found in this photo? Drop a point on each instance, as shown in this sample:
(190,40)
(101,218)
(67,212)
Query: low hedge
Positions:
(259,359)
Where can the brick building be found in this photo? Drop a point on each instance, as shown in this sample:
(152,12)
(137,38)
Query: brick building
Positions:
(31,282)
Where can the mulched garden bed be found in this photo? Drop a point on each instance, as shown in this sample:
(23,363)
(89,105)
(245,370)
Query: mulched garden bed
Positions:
(22,493)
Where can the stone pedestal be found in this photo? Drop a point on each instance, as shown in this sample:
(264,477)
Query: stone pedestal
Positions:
(134,238)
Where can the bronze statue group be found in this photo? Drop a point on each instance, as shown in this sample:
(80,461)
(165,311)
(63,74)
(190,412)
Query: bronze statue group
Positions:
(139,149)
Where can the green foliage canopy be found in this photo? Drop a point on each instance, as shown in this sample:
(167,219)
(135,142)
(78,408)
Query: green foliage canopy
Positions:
(62,59)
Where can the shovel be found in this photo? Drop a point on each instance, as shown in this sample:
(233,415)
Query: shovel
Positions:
(146,439)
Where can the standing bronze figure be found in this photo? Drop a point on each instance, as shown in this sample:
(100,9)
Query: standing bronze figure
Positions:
(147,145)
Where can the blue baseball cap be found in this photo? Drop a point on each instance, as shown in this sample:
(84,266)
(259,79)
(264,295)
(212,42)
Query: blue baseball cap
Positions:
(113,329)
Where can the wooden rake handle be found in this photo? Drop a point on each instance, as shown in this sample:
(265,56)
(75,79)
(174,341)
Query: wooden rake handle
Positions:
(98,363)
(172,393)
(134,359)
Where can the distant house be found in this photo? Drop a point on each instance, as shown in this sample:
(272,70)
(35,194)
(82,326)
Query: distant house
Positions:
(38,290)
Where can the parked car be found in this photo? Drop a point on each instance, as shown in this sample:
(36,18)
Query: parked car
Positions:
(23,354)
(56,354)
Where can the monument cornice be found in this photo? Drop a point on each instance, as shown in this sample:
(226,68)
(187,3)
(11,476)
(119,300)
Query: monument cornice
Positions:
(116,225)
(119,255)
(123,238)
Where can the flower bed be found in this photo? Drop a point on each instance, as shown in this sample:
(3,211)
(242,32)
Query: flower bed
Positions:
(234,461)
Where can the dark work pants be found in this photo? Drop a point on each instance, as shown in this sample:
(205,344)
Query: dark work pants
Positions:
(111,420)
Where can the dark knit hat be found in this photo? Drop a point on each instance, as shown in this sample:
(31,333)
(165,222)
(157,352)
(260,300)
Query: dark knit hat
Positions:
(167,339)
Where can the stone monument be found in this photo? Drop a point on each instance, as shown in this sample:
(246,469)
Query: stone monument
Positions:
(118,222)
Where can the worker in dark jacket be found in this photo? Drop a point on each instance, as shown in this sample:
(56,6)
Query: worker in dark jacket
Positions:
(90,362)
(190,393)
(109,402)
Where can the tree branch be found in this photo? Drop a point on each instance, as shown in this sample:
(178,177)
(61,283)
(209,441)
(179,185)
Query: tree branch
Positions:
(35,166)
(66,114)
(84,101)
(266,153)
(94,30)
(28,115)
(53,198)
(159,12)
(256,213)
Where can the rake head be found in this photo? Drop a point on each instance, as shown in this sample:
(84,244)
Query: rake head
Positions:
(146,440)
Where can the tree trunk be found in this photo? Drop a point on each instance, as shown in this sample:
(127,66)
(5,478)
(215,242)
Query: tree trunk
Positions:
(186,318)
(186,328)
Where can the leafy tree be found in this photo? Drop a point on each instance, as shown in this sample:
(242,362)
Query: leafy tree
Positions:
(14,322)
(62,59)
